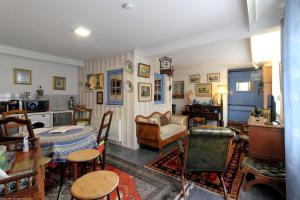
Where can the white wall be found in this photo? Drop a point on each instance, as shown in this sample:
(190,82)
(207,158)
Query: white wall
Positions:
(42,72)
(217,57)
(131,107)
(88,98)
(203,71)
(146,108)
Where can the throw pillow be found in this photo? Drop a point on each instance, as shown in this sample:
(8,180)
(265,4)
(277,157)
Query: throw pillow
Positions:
(164,120)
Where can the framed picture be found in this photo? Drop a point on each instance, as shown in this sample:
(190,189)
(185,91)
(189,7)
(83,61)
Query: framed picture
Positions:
(22,76)
(99,97)
(178,90)
(145,92)
(59,83)
(213,77)
(144,70)
(195,78)
(95,81)
(114,90)
(203,90)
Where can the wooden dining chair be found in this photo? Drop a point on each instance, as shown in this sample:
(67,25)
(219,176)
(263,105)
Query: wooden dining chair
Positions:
(82,115)
(87,155)
(21,183)
(14,120)
(12,126)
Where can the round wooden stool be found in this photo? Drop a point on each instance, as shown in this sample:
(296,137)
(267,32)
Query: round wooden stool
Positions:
(82,156)
(96,185)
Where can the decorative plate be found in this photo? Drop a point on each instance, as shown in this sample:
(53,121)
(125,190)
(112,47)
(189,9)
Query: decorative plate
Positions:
(129,86)
(128,66)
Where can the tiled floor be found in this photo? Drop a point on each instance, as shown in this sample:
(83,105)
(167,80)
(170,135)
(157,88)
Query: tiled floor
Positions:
(144,155)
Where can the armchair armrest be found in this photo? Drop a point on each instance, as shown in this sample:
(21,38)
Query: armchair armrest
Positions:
(148,130)
(179,119)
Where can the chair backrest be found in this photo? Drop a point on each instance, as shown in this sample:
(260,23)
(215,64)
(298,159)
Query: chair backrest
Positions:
(29,176)
(82,114)
(207,149)
(9,120)
(21,114)
(105,125)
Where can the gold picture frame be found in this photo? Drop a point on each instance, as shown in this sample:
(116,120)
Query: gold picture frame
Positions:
(99,98)
(95,81)
(213,77)
(22,76)
(59,83)
(144,70)
(145,92)
(203,90)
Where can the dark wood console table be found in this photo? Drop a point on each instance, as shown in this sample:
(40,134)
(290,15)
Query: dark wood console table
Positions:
(209,112)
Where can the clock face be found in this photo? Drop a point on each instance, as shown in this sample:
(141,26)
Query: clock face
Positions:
(166,64)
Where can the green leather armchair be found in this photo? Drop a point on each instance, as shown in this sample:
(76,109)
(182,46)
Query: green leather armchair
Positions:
(207,150)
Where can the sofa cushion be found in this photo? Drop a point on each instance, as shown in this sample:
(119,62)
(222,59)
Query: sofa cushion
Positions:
(164,120)
(178,119)
(170,130)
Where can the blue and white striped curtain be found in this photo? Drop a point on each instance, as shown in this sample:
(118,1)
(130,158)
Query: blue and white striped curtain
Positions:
(291,86)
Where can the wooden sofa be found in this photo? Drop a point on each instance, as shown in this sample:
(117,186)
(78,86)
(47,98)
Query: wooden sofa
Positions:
(150,132)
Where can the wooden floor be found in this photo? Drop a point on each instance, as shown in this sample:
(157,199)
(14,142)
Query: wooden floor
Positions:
(144,155)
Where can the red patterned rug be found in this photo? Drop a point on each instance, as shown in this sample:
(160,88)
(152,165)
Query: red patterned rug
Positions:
(127,186)
(168,164)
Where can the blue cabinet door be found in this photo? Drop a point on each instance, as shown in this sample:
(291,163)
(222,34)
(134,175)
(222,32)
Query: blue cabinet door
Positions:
(241,101)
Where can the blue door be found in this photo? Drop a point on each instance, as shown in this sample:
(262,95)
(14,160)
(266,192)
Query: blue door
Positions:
(245,92)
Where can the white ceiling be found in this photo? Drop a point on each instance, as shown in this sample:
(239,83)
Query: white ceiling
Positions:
(46,26)
(230,54)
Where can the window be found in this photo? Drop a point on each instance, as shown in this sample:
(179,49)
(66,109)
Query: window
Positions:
(114,87)
(158,88)
(243,86)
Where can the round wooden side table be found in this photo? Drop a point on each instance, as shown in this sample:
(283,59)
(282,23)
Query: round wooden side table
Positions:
(96,185)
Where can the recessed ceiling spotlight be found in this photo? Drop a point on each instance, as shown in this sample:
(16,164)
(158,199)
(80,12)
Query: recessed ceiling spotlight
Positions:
(127,6)
(81,31)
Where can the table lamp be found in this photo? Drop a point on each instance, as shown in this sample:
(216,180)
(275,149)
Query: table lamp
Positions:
(222,89)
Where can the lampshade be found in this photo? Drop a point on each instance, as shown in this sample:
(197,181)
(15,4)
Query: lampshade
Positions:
(222,89)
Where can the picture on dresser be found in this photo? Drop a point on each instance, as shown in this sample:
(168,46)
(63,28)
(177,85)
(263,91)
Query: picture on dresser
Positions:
(144,70)
(213,77)
(203,90)
(59,83)
(195,78)
(22,76)
(178,90)
(115,87)
(95,81)
(145,92)
(99,97)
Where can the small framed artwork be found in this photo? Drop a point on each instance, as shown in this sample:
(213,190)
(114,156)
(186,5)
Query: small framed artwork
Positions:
(22,76)
(99,97)
(95,81)
(213,77)
(145,92)
(59,83)
(178,90)
(203,90)
(144,70)
(195,78)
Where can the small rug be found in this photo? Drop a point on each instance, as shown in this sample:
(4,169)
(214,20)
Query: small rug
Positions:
(168,164)
(136,182)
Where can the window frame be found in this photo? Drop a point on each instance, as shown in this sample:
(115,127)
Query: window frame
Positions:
(109,88)
(162,88)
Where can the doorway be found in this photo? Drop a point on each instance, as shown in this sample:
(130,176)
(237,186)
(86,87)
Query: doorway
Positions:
(245,93)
